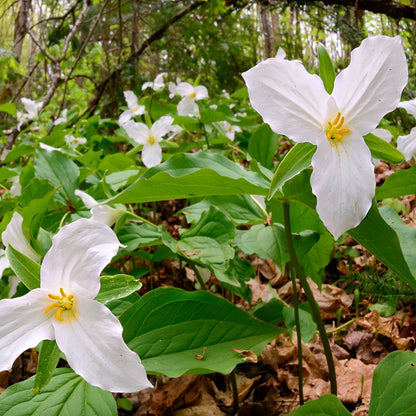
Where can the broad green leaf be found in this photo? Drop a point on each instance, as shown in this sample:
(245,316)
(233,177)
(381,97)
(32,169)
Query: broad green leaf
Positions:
(240,209)
(402,182)
(49,355)
(297,159)
(6,173)
(66,394)
(207,243)
(326,68)
(60,171)
(394,384)
(382,235)
(25,268)
(18,151)
(307,323)
(271,311)
(327,405)
(9,108)
(117,287)
(135,236)
(263,145)
(190,175)
(383,150)
(169,327)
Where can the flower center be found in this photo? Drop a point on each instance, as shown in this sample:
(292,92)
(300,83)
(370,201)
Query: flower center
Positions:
(334,131)
(151,140)
(64,303)
(192,94)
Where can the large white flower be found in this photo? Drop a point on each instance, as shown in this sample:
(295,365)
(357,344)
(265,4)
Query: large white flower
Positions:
(63,119)
(134,108)
(100,212)
(157,85)
(150,138)
(407,144)
(187,106)
(64,309)
(32,109)
(13,235)
(295,103)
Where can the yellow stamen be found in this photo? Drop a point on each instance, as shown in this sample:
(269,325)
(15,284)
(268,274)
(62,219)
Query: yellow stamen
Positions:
(334,130)
(64,303)
(151,140)
(192,94)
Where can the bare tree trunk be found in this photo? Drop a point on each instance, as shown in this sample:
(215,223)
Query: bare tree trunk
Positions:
(267,38)
(20,28)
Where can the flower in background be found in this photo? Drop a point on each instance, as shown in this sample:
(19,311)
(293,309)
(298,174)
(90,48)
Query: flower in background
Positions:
(229,130)
(134,108)
(150,138)
(63,119)
(74,142)
(16,188)
(407,144)
(32,109)
(157,85)
(187,106)
(13,235)
(64,309)
(295,103)
(100,212)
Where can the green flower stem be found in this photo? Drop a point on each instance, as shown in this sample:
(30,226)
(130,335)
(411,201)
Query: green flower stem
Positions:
(298,333)
(141,219)
(311,300)
(198,276)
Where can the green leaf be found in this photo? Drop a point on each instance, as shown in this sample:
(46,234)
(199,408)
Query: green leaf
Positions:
(402,182)
(383,150)
(117,287)
(190,175)
(263,145)
(383,234)
(297,159)
(49,355)
(327,405)
(60,171)
(326,69)
(168,327)
(307,323)
(25,268)
(394,384)
(271,311)
(66,394)
(135,236)
(9,108)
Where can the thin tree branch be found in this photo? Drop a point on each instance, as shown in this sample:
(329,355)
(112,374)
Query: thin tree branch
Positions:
(153,37)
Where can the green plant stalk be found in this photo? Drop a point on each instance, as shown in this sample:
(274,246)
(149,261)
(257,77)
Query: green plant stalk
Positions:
(198,276)
(309,296)
(298,333)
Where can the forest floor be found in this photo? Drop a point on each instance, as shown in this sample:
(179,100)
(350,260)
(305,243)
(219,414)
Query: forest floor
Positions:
(361,334)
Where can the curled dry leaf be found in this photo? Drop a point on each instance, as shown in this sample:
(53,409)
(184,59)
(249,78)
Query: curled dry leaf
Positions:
(248,355)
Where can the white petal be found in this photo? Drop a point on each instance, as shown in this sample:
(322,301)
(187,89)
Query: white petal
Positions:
(184,89)
(95,349)
(148,84)
(87,199)
(24,324)
(407,144)
(131,99)
(343,181)
(139,132)
(172,89)
(372,84)
(125,116)
(281,54)
(291,100)
(161,127)
(105,214)
(187,106)
(13,235)
(32,108)
(139,110)
(201,92)
(409,106)
(159,81)
(78,254)
(383,134)
(151,155)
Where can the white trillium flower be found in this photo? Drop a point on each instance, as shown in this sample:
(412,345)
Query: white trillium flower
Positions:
(157,85)
(13,235)
(229,130)
(64,309)
(150,138)
(409,106)
(134,108)
(100,212)
(74,142)
(407,144)
(295,103)
(48,148)
(32,109)
(187,106)
(63,119)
